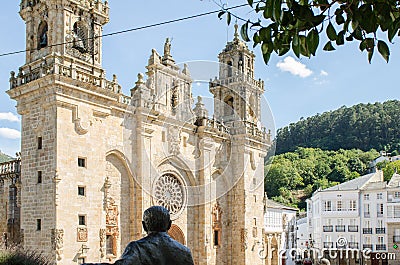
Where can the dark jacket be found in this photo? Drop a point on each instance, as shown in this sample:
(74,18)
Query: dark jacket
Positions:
(155,249)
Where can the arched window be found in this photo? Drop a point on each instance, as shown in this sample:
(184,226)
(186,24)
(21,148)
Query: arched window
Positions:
(42,35)
(80,37)
(176,233)
(228,106)
(229,69)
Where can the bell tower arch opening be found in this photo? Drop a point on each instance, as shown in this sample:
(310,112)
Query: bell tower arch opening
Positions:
(42,37)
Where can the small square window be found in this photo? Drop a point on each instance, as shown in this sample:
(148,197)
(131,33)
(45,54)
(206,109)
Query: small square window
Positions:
(39,142)
(39,177)
(38,224)
(81,162)
(81,191)
(82,219)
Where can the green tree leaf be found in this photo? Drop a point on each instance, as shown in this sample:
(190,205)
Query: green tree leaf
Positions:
(243,31)
(331,32)
(296,45)
(383,50)
(329,47)
(220,14)
(313,41)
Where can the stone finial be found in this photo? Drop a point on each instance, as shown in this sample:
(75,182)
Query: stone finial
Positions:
(115,78)
(200,109)
(236,36)
(140,79)
(154,57)
(185,70)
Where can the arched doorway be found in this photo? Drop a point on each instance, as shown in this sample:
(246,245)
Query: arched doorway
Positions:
(176,233)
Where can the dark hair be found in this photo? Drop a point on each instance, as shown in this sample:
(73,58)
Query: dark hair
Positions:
(156,219)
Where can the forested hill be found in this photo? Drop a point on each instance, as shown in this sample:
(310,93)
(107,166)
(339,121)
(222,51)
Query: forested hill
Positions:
(363,126)
(4,157)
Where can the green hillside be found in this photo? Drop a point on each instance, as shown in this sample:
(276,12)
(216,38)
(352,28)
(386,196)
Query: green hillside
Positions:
(292,177)
(363,126)
(4,157)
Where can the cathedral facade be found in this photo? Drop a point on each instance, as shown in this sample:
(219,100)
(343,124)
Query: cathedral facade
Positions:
(93,159)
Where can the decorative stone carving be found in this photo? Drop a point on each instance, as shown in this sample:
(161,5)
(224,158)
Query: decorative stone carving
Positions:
(112,214)
(82,234)
(169,192)
(243,239)
(58,242)
(102,235)
(174,139)
(217,214)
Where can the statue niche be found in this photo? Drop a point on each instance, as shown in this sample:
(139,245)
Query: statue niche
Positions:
(42,35)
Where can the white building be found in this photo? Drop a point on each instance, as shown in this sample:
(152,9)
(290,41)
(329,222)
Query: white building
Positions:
(277,219)
(363,213)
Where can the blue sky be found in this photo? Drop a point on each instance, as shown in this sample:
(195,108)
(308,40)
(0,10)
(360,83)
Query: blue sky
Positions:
(294,88)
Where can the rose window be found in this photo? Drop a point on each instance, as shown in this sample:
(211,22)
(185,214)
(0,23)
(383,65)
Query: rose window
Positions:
(169,193)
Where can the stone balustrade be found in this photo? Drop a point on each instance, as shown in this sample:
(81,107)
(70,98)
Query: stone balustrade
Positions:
(29,74)
(95,5)
(10,168)
(216,125)
(235,79)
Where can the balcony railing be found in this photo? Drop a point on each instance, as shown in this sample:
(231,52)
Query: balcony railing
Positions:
(352,228)
(328,244)
(368,246)
(396,239)
(367,230)
(340,228)
(381,247)
(367,214)
(353,245)
(328,228)
(380,230)
(340,245)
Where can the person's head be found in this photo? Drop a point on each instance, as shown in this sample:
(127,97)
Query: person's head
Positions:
(156,219)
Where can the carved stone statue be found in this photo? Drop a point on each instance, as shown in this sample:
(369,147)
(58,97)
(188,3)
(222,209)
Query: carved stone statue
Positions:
(167,48)
(157,248)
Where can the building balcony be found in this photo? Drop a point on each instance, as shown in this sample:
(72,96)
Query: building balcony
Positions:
(396,239)
(328,228)
(353,245)
(381,247)
(352,228)
(338,246)
(340,228)
(380,230)
(367,214)
(367,230)
(368,246)
(328,244)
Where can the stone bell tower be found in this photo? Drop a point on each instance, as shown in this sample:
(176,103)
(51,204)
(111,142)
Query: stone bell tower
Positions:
(236,93)
(68,107)
(66,28)
(237,97)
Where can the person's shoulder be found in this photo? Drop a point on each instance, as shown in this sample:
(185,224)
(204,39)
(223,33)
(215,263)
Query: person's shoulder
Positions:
(176,244)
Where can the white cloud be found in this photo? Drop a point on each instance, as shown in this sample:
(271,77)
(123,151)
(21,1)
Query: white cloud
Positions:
(323,73)
(8,116)
(10,133)
(294,67)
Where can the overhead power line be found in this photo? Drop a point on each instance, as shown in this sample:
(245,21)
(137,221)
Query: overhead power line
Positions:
(137,28)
